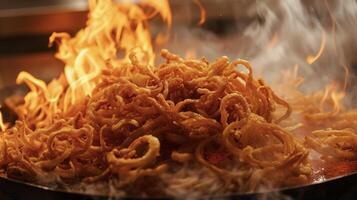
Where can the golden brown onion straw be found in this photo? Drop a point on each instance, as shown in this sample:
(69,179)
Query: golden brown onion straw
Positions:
(143,121)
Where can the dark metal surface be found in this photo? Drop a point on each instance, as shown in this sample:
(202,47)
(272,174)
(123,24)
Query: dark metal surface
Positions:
(341,188)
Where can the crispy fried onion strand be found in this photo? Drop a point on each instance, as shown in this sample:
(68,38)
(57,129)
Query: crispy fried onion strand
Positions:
(334,144)
(141,121)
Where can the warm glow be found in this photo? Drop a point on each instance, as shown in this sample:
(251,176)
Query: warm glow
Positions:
(333,26)
(332,98)
(2,125)
(116,119)
(291,77)
(112,32)
(333,31)
(202,12)
(160,6)
(311,59)
(337,100)
(191,54)
(273,41)
(347,74)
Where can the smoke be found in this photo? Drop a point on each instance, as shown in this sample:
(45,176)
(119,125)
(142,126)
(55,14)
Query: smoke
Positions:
(282,34)
(301,28)
(279,35)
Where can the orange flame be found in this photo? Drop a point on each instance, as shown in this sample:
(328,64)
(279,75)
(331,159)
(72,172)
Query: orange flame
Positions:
(333,30)
(337,100)
(202,12)
(311,59)
(273,41)
(190,54)
(112,30)
(332,98)
(2,125)
(162,7)
(333,25)
(347,74)
(291,77)
(162,39)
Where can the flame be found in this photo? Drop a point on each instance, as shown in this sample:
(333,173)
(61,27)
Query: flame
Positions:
(337,101)
(332,98)
(291,77)
(273,41)
(333,26)
(2,124)
(202,12)
(347,74)
(162,39)
(112,32)
(333,30)
(162,7)
(311,59)
(190,54)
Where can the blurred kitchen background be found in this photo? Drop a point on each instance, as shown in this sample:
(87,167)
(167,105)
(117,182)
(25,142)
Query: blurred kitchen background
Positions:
(25,26)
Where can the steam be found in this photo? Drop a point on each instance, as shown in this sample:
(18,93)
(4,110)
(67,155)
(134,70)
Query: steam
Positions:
(281,35)
(300,33)
(298,27)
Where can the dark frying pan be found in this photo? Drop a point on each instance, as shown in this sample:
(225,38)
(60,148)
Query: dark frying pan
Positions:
(341,188)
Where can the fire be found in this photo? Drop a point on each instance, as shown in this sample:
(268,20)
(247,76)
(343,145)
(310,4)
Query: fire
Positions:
(333,26)
(202,12)
(333,30)
(337,101)
(332,98)
(347,74)
(112,32)
(190,54)
(162,7)
(2,125)
(273,41)
(311,59)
